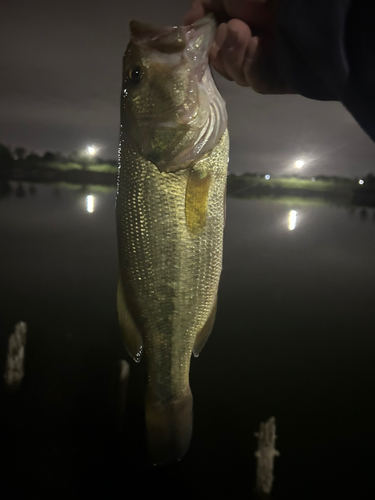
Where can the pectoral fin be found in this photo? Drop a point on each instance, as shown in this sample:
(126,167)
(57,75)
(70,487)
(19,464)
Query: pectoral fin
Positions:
(196,199)
(132,337)
(203,335)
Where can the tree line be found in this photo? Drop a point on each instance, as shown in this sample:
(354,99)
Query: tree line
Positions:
(21,156)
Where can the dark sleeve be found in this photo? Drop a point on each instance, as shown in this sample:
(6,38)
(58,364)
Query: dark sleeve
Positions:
(327,52)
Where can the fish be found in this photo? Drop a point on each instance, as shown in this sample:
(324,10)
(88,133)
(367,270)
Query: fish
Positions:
(170,216)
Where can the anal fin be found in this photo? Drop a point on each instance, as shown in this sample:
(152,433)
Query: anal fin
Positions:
(131,334)
(203,335)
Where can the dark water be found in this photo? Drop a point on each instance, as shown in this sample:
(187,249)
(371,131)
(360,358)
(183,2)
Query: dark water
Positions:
(294,339)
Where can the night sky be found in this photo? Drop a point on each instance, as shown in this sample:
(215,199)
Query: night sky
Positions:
(60,86)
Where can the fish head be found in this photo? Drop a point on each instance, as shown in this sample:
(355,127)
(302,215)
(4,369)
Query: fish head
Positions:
(168,93)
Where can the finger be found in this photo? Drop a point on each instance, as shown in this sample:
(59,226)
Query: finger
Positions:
(201,8)
(258,14)
(215,52)
(197,11)
(249,58)
(235,48)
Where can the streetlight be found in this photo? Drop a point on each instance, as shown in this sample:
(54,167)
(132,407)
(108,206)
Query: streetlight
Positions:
(91,150)
(299,163)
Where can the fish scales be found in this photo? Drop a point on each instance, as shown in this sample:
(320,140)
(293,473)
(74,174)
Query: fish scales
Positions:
(173,272)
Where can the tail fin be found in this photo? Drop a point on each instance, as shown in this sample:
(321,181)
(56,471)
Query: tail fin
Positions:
(169,427)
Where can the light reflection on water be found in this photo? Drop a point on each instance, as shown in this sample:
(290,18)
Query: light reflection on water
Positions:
(292,220)
(90,201)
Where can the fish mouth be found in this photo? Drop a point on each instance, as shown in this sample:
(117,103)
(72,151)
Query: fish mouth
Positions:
(173,39)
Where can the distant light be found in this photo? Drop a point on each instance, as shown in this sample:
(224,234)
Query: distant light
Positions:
(292,220)
(91,150)
(90,203)
(313,179)
(267,177)
(361,181)
(299,163)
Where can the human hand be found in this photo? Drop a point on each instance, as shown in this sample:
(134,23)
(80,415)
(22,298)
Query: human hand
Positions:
(244,49)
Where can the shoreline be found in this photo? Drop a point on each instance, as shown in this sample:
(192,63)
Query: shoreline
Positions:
(338,190)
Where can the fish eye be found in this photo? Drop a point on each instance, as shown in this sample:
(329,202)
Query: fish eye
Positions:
(135,74)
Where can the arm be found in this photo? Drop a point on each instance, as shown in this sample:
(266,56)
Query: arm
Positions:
(321,49)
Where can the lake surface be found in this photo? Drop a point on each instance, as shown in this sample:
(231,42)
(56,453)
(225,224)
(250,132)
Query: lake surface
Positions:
(294,338)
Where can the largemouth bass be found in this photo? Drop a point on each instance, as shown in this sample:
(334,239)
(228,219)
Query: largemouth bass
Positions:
(170,206)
